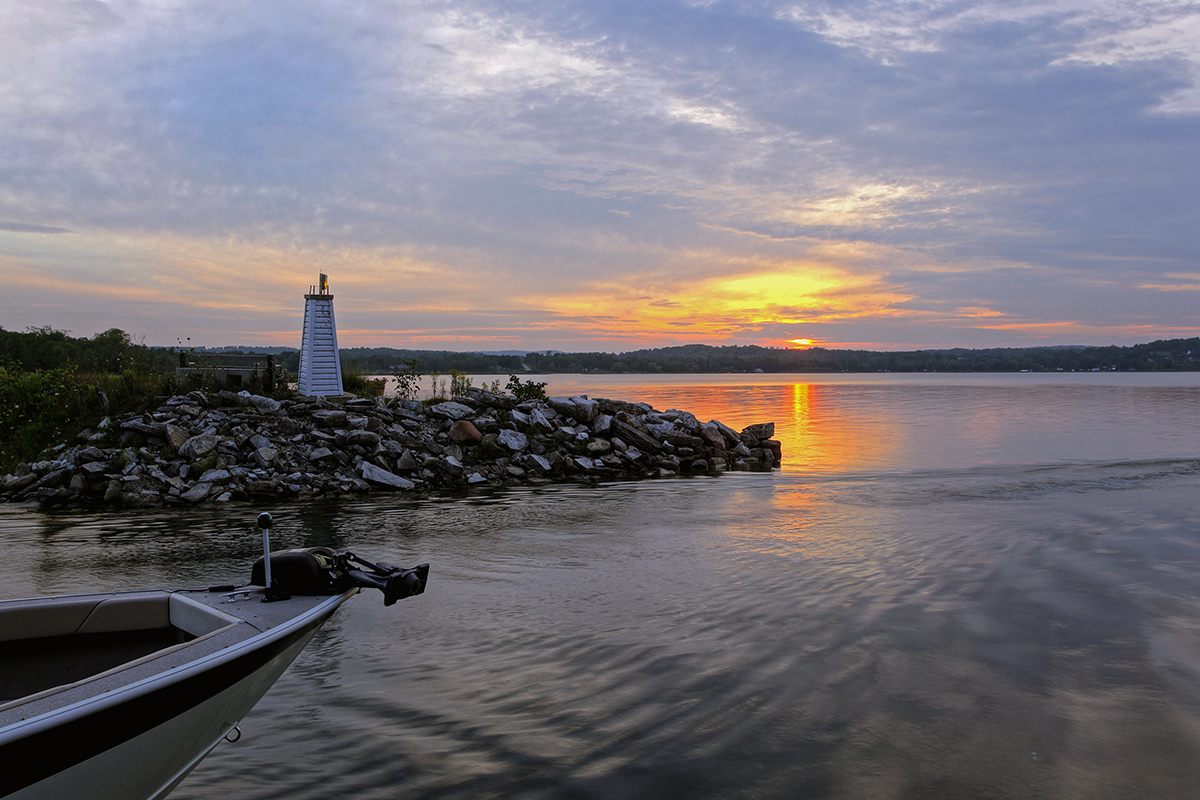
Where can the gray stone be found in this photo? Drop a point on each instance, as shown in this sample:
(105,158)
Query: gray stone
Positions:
(587,410)
(266,405)
(363,438)
(381,476)
(199,446)
(264,456)
(329,418)
(196,493)
(451,410)
(215,476)
(635,437)
(598,447)
(176,436)
(538,418)
(537,462)
(512,440)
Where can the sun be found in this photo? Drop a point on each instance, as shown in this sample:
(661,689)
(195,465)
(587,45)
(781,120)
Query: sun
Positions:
(801,342)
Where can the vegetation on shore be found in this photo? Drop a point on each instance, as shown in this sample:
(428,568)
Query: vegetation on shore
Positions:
(53,385)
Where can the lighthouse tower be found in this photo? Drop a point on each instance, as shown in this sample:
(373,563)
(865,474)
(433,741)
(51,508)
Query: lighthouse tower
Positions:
(320,367)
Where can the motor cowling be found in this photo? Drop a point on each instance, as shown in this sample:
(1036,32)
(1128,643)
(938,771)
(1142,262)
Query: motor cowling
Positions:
(302,571)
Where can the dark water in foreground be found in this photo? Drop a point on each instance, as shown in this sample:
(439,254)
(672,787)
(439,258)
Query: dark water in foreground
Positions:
(956,588)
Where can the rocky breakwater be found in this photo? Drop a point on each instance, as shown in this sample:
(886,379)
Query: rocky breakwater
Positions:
(225,447)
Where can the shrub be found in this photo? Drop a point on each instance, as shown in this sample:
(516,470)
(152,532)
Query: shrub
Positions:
(526,390)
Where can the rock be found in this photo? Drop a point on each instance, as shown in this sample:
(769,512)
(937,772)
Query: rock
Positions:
(464,432)
(381,476)
(363,438)
(176,436)
(634,437)
(196,493)
(329,418)
(537,462)
(538,418)
(513,440)
(199,446)
(598,447)
(266,405)
(451,410)
(712,436)
(761,431)
(215,476)
(234,447)
(490,400)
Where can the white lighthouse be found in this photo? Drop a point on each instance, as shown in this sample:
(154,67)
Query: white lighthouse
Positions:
(320,366)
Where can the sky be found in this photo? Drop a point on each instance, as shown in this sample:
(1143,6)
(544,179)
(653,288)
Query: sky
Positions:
(603,175)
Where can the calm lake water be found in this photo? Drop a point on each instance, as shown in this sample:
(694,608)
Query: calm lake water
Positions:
(980,586)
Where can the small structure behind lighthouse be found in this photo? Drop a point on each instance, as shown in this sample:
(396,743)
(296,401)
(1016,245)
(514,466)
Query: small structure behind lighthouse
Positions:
(320,366)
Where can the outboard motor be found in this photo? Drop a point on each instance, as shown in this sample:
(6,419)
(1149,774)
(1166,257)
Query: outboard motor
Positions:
(320,570)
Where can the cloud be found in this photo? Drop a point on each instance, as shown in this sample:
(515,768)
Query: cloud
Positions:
(1032,160)
(20,227)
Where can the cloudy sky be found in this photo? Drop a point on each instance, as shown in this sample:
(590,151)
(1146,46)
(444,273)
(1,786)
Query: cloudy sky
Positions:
(603,175)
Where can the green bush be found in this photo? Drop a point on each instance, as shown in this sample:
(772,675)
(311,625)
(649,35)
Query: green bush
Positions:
(41,408)
(526,390)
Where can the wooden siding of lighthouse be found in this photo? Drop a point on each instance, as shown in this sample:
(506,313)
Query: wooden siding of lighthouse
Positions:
(320,366)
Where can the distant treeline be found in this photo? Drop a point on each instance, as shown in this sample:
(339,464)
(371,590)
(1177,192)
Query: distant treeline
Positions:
(114,351)
(1171,355)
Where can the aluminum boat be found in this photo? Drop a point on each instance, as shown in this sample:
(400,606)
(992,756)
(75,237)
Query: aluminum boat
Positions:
(118,696)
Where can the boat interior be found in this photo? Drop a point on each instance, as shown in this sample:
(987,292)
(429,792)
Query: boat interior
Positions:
(49,643)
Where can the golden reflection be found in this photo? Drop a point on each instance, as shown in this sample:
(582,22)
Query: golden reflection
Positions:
(820,436)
